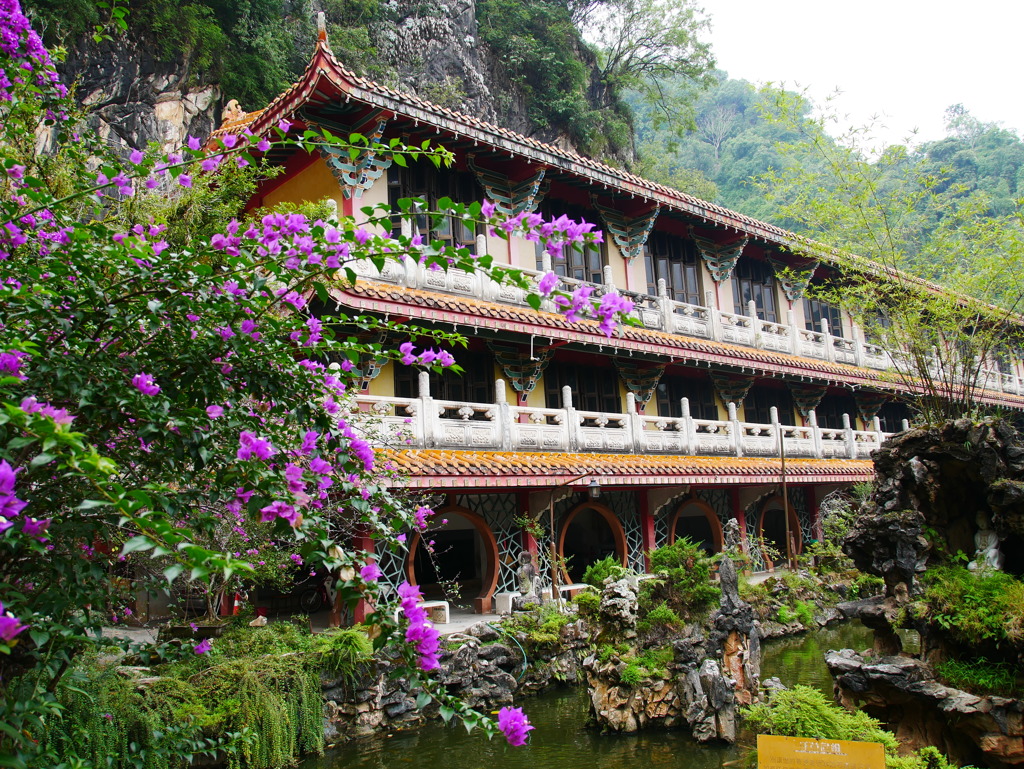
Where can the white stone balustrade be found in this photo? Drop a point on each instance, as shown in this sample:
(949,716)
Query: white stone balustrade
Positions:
(664,314)
(426,422)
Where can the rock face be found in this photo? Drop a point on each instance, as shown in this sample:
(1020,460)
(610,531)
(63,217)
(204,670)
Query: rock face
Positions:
(481,669)
(134,99)
(709,676)
(902,693)
(943,480)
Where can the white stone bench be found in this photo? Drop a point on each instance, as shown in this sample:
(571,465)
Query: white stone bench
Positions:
(437,611)
(570,591)
(503,602)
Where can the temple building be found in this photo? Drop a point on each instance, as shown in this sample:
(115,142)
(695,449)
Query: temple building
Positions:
(735,397)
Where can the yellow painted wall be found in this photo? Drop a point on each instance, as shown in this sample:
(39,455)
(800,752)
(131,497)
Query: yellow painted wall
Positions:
(313,183)
(618,265)
(384,384)
(376,195)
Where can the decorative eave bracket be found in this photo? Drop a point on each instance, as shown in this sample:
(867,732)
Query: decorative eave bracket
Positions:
(510,198)
(630,235)
(720,259)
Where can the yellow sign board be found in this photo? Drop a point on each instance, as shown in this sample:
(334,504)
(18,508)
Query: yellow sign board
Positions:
(808,753)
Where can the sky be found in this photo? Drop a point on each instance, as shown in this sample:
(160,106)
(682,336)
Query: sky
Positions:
(904,61)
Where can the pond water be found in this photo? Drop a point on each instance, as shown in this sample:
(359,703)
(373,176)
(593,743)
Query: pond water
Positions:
(561,739)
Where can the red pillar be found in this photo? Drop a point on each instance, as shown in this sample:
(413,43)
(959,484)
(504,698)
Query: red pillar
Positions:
(646,527)
(361,542)
(741,517)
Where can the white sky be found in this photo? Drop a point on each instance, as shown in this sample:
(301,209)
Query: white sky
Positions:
(902,60)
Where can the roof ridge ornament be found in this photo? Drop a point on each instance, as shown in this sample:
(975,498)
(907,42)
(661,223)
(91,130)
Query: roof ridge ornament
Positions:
(321,27)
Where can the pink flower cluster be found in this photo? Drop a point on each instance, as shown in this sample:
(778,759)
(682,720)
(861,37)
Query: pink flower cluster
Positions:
(10,625)
(425,358)
(420,632)
(514,724)
(22,44)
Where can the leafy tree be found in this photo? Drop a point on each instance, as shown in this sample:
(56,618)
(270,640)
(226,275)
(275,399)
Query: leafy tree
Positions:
(881,218)
(645,44)
(157,391)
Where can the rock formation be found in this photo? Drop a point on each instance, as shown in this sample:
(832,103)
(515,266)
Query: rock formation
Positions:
(903,692)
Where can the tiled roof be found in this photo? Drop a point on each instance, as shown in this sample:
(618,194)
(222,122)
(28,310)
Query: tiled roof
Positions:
(326,79)
(434,468)
(375,296)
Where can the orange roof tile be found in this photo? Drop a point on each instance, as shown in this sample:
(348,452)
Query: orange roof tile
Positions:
(432,468)
(475,313)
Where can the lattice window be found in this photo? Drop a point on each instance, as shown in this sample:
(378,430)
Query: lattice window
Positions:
(499,512)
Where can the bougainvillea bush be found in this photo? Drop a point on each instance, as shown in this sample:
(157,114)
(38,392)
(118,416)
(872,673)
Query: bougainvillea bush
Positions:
(163,392)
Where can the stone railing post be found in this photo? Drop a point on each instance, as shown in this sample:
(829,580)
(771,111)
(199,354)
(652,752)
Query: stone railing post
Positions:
(876,424)
(826,338)
(794,333)
(428,410)
(689,429)
(634,425)
(858,346)
(905,424)
(665,305)
(572,420)
(756,337)
(812,421)
(851,442)
(714,319)
(737,430)
(503,416)
(773,415)
(609,279)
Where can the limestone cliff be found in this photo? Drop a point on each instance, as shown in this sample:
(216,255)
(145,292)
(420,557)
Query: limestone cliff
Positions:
(435,51)
(134,99)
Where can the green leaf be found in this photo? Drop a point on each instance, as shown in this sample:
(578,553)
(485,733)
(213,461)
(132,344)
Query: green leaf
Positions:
(41,459)
(422,700)
(140,542)
(172,572)
(446,713)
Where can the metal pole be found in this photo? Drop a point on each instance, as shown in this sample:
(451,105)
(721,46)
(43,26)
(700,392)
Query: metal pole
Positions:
(785,500)
(555,595)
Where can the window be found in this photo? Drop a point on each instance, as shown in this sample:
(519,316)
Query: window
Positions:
(759,401)
(700,392)
(422,180)
(474,385)
(815,311)
(587,265)
(674,259)
(754,281)
(831,409)
(593,389)
(891,416)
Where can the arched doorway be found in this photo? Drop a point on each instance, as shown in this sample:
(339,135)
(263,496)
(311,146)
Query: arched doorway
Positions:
(590,533)
(465,556)
(771,528)
(695,519)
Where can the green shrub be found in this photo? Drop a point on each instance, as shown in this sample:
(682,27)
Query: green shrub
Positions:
(632,674)
(804,712)
(979,676)
(866,585)
(686,586)
(973,605)
(661,616)
(588,603)
(804,612)
(596,573)
(542,626)
(785,615)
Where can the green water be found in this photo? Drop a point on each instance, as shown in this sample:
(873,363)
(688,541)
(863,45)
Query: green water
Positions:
(561,739)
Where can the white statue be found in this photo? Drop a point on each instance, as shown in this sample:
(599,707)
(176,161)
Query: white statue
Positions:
(986,544)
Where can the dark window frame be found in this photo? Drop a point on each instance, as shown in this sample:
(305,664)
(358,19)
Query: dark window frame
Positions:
(674,259)
(753,279)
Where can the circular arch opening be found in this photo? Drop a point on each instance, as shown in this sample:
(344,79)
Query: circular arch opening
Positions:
(590,533)
(465,553)
(695,519)
(771,528)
